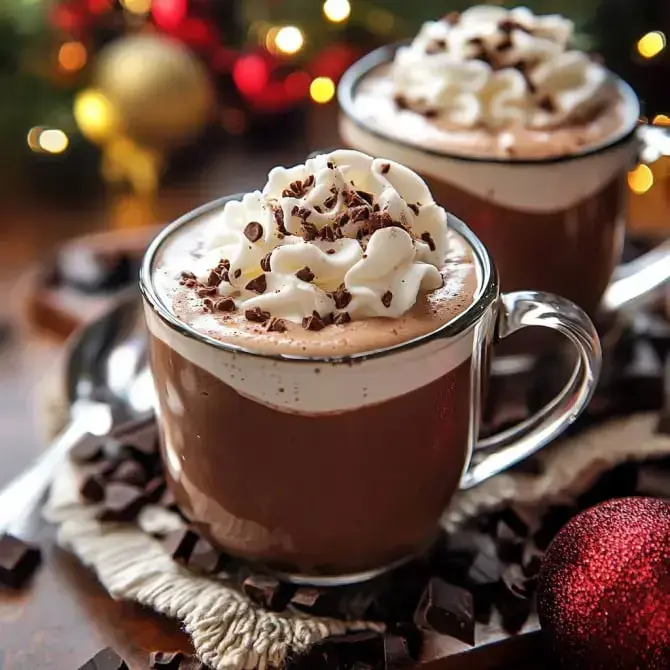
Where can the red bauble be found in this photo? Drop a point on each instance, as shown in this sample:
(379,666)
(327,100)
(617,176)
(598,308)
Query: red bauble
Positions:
(604,592)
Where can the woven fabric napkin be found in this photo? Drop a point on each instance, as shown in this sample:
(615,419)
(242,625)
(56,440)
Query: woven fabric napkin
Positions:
(228,631)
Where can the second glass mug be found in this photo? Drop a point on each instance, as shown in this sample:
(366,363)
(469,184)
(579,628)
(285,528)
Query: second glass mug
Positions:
(354,479)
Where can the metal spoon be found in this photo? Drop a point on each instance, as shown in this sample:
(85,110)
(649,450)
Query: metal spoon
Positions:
(107,381)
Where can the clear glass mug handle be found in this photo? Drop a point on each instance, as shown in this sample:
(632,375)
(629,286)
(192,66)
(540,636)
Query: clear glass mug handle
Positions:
(639,281)
(523,309)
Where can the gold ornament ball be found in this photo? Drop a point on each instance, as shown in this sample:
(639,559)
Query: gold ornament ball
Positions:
(160,91)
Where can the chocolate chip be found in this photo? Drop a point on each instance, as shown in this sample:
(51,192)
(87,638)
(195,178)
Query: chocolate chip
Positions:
(387,298)
(257,284)
(122,502)
(237,274)
(18,561)
(276,326)
(447,609)
(93,488)
(265,262)
(204,558)
(342,297)
(305,274)
(225,305)
(401,102)
(165,660)
(547,104)
(106,659)
(267,591)
(330,252)
(314,322)
(253,231)
(257,315)
(179,544)
(341,318)
(88,449)
(130,472)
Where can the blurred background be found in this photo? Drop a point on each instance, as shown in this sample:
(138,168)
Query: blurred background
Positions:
(116,115)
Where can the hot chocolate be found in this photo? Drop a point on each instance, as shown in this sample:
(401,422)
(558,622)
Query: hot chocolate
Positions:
(319,350)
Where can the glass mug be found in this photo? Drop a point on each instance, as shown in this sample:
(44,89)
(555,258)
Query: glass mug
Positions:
(556,224)
(352,480)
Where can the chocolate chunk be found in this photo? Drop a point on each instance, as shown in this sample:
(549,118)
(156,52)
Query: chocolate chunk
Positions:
(426,237)
(214,279)
(314,322)
(277,326)
(205,291)
(265,262)
(165,660)
(122,502)
(204,558)
(268,591)
(257,315)
(208,304)
(341,318)
(18,561)
(237,274)
(306,598)
(257,284)
(305,274)
(253,231)
(142,444)
(106,659)
(309,231)
(93,488)
(514,611)
(447,609)
(130,472)
(387,298)
(179,544)
(547,104)
(187,275)
(225,305)
(414,207)
(485,569)
(401,102)
(359,213)
(88,449)
(342,297)
(385,168)
(154,489)
(396,652)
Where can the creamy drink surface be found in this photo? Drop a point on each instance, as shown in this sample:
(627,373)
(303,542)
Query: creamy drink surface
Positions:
(492,82)
(317,266)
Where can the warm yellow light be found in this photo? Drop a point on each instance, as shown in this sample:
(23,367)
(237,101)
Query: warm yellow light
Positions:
(322,89)
(651,44)
(336,10)
(137,6)
(53,141)
(661,120)
(640,179)
(94,115)
(72,56)
(34,137)
(289,39)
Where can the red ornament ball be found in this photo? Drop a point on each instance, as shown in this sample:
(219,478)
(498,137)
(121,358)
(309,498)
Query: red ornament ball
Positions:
(604,591)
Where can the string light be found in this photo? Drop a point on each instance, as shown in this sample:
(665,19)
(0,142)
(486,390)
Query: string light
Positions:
(72,56)
(289,40)
(137,6)
(640,179)
(661,120)
(336,10)
(322,89)
(651,44)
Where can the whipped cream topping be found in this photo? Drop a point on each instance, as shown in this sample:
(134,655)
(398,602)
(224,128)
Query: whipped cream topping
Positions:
(494,67)
(342,237)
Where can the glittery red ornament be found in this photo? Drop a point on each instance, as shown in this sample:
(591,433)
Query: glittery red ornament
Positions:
(604,591)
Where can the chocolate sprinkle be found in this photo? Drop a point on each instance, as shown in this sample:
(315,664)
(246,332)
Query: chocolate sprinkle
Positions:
(426,237)
(314,322)
(277,325)
(253,231)
(18,561)
(305,274)
(257,315)
(387,298)
(225,305)
(257,284)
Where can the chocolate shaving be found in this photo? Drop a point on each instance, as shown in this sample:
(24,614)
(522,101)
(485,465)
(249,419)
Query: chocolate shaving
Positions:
(360,213)
(265,262)
(401,102)
(387,298)
(225,305)
(426,237)
(414,208)
(547,104)
(253,231)
(330,201)
(327,234)
(305,274)
(238,273)
(314,322)
(257,284)
(208,304)
(257,315)
(343,219)
(385,168)
(205,291)
(278,214)
(366,196)
(341,318)
(276,325)
(342,297)
(309,231)
(187,275)
(214,279)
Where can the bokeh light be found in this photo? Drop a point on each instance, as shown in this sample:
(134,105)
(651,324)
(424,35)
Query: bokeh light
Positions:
(169,14)
(72,56)
(380,21)
(137,6)
(322,89)
(47,140)
(94,115)
(336,10)
(651,44)
(250,74)
(640,179)
(289,40)
(661,120)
